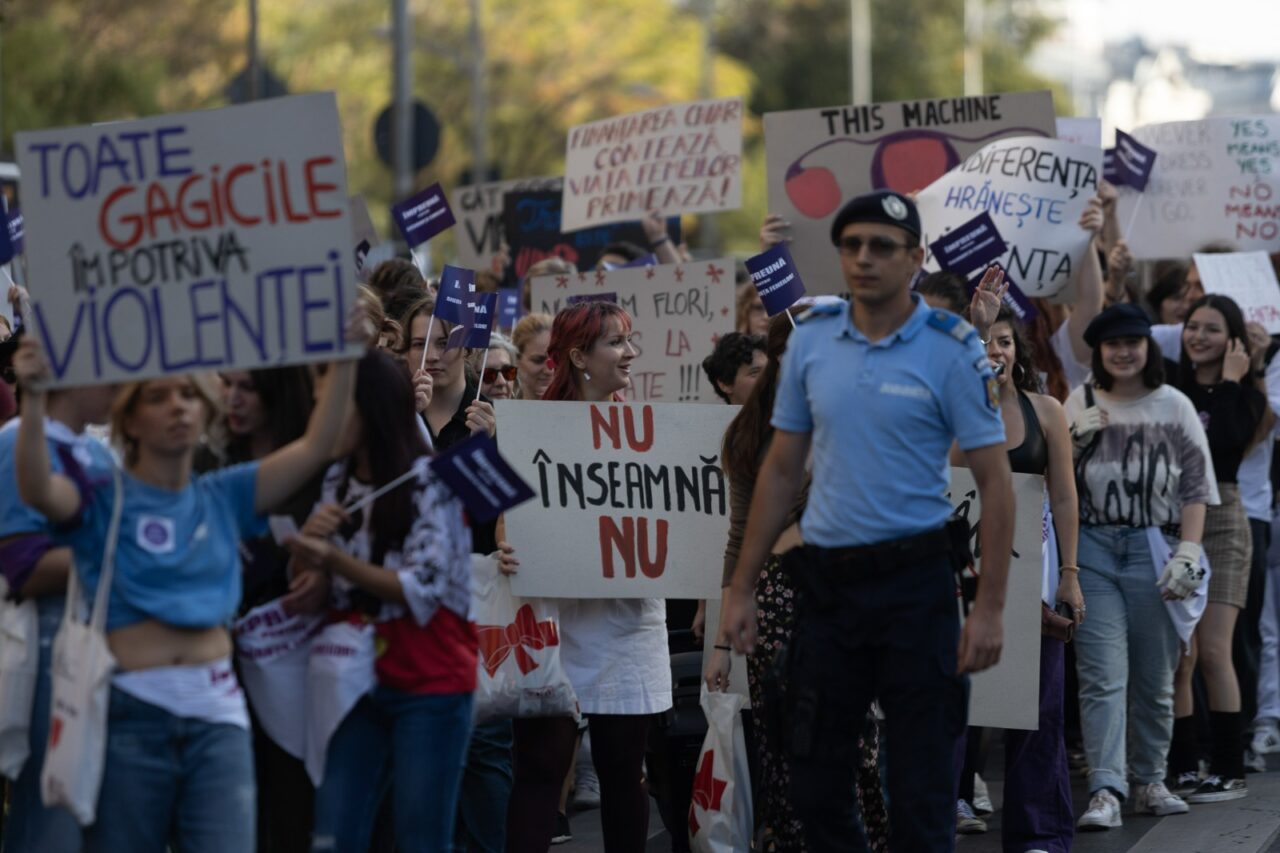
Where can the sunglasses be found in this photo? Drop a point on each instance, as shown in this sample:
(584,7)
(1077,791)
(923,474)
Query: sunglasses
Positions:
(878,247)
(490,374)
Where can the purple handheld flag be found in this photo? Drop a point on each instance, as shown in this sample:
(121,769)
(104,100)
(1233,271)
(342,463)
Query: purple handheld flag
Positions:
(971,246)
(481,478)
(1132,161)
(17,231)
(423,215)
(473,331)
(510,307)
(776,278)
(457,287)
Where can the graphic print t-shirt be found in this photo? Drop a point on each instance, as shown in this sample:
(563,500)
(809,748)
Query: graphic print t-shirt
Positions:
(1150,460)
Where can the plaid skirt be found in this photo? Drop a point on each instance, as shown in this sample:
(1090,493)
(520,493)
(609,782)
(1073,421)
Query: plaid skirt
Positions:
(1228,543)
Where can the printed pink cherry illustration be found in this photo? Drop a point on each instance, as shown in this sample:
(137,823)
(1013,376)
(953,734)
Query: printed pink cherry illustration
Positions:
(707,790)
(813,190)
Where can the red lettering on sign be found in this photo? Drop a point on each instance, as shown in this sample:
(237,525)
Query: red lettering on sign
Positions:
(607,422)
(624,542)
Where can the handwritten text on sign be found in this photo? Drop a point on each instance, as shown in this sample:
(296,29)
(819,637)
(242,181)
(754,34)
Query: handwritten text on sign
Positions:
(479,211)
(191,241)
(679,312)
(629,499)
(1035,190)
(681,158)
(1215,180)
(1005,696)
(1249,279)
(817,159)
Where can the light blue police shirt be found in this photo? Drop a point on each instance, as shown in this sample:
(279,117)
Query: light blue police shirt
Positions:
(177,558)
(15,516)
(883,417)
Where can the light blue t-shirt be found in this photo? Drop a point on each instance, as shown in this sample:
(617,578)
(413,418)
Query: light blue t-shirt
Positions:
(883,417)
(177,558)
(15,516)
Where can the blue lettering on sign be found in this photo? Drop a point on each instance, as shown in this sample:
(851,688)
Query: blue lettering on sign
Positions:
(80,167)
(127,333)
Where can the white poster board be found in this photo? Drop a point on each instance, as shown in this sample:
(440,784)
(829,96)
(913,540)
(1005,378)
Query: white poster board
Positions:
(679,158)
(478,208)
(193,241)
(1214,180)
(818,159)
(629,499)
(1249,279)
(1035,190)
(1081,131)
(1007,696)
(679,312)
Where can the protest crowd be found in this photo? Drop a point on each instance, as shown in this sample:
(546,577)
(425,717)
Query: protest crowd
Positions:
(356,587)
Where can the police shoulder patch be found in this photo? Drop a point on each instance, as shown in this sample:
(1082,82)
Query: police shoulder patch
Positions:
(955,326)
(821,309)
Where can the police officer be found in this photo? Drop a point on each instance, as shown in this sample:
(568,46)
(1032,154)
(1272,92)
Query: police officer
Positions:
(880,388)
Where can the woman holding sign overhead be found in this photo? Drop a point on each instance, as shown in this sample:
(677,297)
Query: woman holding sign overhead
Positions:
(178,768)
(614,650)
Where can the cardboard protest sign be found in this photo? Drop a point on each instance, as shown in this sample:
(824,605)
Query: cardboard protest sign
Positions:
(678,311)
(422,216)
(1214,180)
(481,478)
(775,277)
(1035,189)
(195,241)
(1249,279)
(679,158)
(1081,131)
(531,223)
(1007,695)
(629,499)
(818,159)
(364,237)
(478,208)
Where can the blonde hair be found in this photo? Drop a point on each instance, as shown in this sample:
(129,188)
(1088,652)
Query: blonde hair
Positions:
(389,331)
(547,266)
(127,398)
(528,328)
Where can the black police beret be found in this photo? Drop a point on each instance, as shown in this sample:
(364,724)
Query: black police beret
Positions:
(1119,321)
(885,207)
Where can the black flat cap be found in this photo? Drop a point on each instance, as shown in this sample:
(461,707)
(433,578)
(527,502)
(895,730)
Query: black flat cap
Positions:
(1119,321)
(884,207)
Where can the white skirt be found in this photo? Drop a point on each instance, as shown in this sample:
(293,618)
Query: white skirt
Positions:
(615,653)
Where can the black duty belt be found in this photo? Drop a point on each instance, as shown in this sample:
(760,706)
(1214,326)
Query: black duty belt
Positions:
(893,555)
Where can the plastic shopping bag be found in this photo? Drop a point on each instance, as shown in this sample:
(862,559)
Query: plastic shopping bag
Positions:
(720,814)
(19,660)
(519,670)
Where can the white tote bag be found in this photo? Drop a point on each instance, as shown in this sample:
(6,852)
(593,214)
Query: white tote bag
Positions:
(340,670)
(19,662)
(519,673)
(273,649)
(720,814)
(82,667)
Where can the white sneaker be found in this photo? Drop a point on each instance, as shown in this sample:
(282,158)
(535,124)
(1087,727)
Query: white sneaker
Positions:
(967,823)
(1186,783)
(1155,799)
(1254,762)
(1103,813)
(981,797)
(1266,738)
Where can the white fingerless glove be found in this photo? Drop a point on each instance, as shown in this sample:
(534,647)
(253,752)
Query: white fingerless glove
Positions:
(1183,575)
(1084,426)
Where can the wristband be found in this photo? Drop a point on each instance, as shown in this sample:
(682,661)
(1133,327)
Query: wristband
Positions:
(1075,569)
(665,238)
(722,648)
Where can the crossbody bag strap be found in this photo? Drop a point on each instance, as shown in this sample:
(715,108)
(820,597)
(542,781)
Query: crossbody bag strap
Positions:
(98,618)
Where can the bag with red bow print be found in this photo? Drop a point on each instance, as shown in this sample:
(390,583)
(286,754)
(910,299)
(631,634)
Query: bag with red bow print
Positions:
(519,671)
(720,814)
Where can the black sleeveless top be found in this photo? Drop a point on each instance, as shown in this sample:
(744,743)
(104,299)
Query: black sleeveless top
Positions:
(1032,456)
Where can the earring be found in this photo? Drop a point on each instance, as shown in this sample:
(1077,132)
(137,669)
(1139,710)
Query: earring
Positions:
(586,377)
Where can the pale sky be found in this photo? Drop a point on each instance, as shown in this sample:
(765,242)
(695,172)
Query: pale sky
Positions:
(1218,30)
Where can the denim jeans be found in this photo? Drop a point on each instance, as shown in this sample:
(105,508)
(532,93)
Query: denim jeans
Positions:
(1126,654)
(486,790)
(31,827)
(173,782)
(416,744)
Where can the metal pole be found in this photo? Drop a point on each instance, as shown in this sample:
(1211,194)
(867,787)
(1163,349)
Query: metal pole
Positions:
(254,74)
(402,112)
(973,47)
(479,102)
(860,51)
(706,86)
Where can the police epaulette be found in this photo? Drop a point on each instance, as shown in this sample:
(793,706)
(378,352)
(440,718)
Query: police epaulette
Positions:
(822,309)
(953,325)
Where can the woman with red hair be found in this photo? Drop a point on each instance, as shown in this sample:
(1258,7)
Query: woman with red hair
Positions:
(614,650)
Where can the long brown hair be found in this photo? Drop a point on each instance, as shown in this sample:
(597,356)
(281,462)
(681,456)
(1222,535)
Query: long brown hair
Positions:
(749,432)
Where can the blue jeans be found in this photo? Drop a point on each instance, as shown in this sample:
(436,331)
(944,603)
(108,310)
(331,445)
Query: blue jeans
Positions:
(486,790)
(414,743)
(1126,654)
(173,781)
(31,827)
